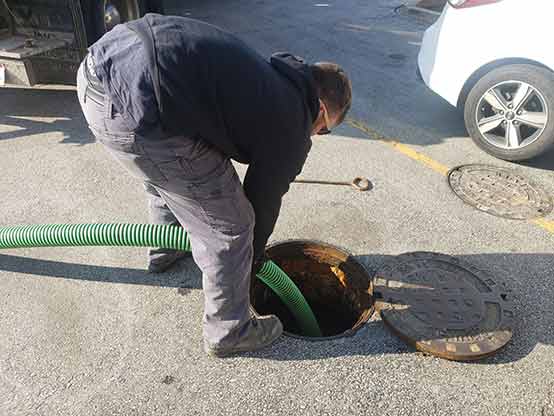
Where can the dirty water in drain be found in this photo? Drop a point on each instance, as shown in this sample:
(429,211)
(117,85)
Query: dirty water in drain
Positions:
(335,285)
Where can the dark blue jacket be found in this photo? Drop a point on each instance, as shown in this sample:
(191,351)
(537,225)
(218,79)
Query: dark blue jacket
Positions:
(204,82)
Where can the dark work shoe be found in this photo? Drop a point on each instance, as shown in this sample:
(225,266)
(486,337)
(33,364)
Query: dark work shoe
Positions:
(262,331)
(159,260)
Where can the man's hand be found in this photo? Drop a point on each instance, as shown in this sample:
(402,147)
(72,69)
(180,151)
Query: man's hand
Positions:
(259,263)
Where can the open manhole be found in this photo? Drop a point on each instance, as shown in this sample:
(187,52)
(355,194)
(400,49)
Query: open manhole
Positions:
(443,306)
(499,191)
(335,285)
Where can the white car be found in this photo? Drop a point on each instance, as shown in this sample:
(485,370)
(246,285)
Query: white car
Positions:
(493,59)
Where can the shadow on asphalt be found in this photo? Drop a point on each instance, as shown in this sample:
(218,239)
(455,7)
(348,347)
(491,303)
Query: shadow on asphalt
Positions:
(189,278)
(59,109)
(527,277)
(377,46)
(544,161)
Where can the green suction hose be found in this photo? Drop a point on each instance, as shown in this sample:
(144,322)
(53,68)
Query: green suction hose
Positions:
(150,235)
(280,283)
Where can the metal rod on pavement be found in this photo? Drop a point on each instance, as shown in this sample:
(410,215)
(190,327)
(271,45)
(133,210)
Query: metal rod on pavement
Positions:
(359,183)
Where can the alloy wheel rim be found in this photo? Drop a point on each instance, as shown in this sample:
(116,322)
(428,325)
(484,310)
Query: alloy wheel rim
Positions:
(512,115)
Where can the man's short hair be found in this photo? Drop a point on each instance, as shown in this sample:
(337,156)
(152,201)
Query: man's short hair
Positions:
(333,87)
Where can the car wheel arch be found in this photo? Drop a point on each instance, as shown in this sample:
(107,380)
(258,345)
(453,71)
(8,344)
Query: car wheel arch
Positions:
(483,70)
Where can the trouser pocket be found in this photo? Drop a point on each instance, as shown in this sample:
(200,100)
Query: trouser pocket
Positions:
(222,198)
(128,150)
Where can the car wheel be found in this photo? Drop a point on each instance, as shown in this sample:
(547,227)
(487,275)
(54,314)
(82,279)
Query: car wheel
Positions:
(509,113)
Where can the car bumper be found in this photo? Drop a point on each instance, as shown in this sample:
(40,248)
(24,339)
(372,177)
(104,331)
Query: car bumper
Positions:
(435,63)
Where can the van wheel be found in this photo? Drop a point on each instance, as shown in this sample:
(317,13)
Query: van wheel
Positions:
(106,14)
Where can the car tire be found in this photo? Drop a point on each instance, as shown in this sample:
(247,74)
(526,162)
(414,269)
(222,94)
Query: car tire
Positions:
(529,121)
(119,11)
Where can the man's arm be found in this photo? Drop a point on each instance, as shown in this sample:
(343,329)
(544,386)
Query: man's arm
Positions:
(266,181)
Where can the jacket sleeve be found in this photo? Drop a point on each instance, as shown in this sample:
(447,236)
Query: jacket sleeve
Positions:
(267,180)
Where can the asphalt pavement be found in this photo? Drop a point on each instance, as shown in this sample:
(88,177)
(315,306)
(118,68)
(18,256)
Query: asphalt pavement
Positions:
(87,331)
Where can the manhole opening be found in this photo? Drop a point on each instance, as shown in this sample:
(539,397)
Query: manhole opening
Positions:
(336,286)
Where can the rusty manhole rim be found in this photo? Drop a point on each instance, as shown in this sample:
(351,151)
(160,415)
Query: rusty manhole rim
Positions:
(513,172)
(364,317)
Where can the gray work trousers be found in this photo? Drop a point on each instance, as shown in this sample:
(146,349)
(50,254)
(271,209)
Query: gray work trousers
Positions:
(189,182)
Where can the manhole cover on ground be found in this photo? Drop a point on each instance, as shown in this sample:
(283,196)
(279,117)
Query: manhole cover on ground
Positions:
(442,306)
(499,191)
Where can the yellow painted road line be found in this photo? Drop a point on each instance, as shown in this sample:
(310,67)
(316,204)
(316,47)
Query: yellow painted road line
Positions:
(547,225)
(412,154)
(425,160)
(402,148)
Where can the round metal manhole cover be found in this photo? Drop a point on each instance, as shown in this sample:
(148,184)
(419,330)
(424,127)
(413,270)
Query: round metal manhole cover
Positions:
(443,306)
(499,191)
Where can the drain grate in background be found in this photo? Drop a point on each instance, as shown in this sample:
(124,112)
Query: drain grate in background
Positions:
(499,191)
